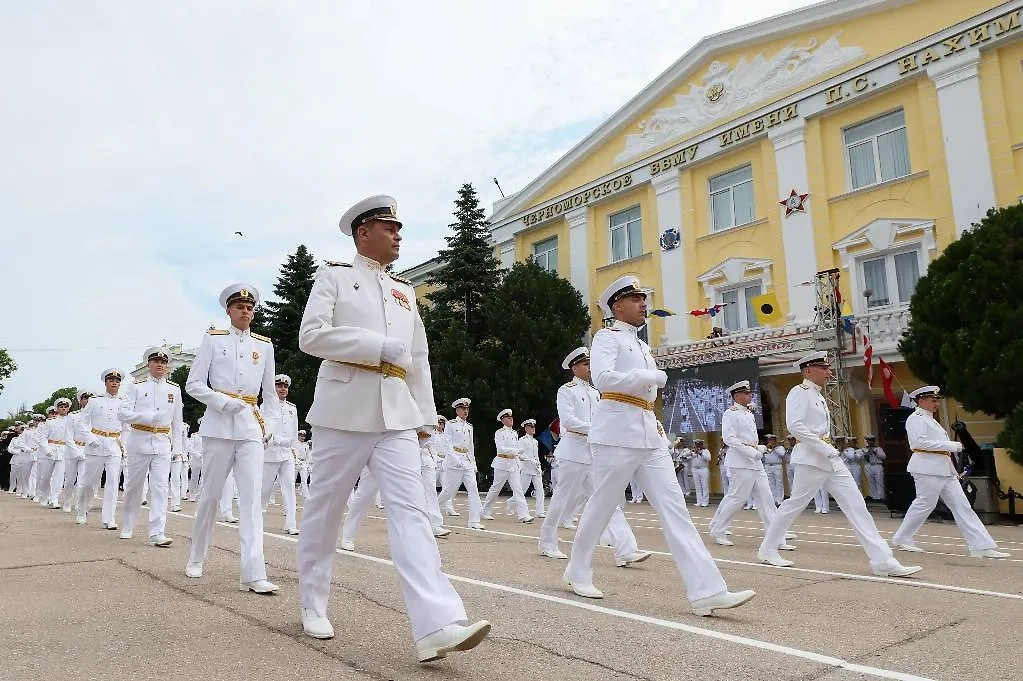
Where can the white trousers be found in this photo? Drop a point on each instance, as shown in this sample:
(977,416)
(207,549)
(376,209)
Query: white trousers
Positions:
(136,468)
(875,480)
(501,477)
(686,472)
(776,479)
(845,491)
(745,483)
(175,484)
(452,478)
(358,504)
(243,458)
(701,480)
(821,500)
(576,481)
(284,472)
(195,467)
(637,491)
(226,504)
(44,481)
(929,488)
(67,494)
(856,471)
(536,480)
(723,475)
(393,457)
(790,475)
(612,469)
(89,472)
(33,479)
(429,476)
(111,488)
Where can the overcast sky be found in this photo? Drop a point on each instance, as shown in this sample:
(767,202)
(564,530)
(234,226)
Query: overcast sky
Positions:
(137,137)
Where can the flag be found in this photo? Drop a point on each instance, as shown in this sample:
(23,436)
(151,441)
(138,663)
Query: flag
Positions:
(907,401)
(868,359)
(847,318)
(887,376)
(766,308)
(555,428)
(661,313)
(546,439)
(712,311)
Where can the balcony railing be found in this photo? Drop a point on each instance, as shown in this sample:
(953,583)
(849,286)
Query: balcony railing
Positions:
(762,342)
(885,327)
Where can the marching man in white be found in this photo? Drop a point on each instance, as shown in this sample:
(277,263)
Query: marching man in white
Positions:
(873,463)
(373,391)
(506,470)
(151,408)
(233,369)
(529,460)
(628,442)
(279,457)
(178,462)
(302,452)
(61,442)
(76,453)
(459,464)
(701,473)
(936,477)
(774,464)
(818,465)
(853,459)
(100,429)
(440,445)
(194,444)
(428,471)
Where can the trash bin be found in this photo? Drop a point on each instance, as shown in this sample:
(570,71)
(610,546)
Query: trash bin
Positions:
(986,504)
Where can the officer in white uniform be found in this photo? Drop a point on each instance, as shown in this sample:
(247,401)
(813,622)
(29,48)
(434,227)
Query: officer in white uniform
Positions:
(50,467)
(745,464)
(936,477)
(873,462)
(440,445)
(233,369)
(75,453)
(302,458)
(428,470)
(100,429)
(460,463)
(178,466)
(194,445)
(722,465)
(701,473)
(682,457)
(774,461)
(628,441)
(373,391)
(506,470)
(279,457)
(790,469)
(576,401)
(852,458)
(151,410)
(819,465)
(529,460)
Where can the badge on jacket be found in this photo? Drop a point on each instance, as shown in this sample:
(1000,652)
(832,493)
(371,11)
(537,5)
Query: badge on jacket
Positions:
(255,357)
(170,397)
(400,297)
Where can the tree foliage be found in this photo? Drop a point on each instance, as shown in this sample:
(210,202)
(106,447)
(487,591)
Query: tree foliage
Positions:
(7,367)
(71,393)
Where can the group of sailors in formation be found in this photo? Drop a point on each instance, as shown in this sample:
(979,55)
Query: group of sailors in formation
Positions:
(374,422)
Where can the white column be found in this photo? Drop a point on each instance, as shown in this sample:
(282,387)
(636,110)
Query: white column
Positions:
(962,125)
(674,284)
(796,229)
(578,252)
(507,254)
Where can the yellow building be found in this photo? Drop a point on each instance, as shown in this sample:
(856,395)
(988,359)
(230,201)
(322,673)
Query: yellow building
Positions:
(891,125)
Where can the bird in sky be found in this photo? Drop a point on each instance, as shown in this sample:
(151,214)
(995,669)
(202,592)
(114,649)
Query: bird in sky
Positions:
(239,234)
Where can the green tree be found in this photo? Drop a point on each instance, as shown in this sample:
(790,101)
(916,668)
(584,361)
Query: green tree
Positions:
(7,367)
(191,408)
(71,393)
(966,315)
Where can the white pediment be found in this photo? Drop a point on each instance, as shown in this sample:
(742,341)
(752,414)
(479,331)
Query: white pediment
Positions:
(726,91)
(884,233)
(733,271)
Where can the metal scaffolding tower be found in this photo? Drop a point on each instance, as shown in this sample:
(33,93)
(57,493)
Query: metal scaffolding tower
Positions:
(828,335)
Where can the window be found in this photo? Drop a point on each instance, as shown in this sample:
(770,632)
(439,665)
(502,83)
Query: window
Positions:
(877,150)
(738,311)
(731,199)
(545,253)
(891,278)
(626,235)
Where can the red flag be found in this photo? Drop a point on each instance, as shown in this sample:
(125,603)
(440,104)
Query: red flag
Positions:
(868,357)
(555,428)
(887,376)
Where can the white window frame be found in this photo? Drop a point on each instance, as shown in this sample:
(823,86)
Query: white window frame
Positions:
(878,179)
(740,287)
(542,257)
(611,227)
(891,278)
(730,189)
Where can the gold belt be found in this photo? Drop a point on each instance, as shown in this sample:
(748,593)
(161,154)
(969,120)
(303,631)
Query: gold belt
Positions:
(57,442)
(507,456)
(385,368)
(461,450)
(106,433)
(151,429)
(826,438)
(250,400)
(931,451)
(628,399)
(79,443)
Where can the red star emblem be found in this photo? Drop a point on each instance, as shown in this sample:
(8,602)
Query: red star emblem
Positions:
(794,203)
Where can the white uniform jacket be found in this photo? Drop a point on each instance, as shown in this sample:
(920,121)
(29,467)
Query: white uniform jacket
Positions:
(739,432)
(930,444)
(775,457)
(148,406)
(506,440)
(529,455)
(463,450)
(621,363)
(194,444)
(701,458)
(351,310)
(851,456)
(577,401)
(873,456)
(302,456)
(808,419)
(283,424)
(233,362)
(76,446)
(59,435)
(100,428)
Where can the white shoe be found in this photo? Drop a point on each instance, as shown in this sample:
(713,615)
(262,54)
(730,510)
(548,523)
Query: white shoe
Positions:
(989,553)
(584,590)
(291,531)
(773,559)
(488,517)
(568,526)
(80,519)
(555,553)
(790,535)
(528,519)
(728,533)
(541,515)
(722,540)
(896,569)
(786,547)
(315,625)
(110,526)
(722,601)
(453,513)
(450,639)
(441,532)
(160,540)
(912,548)
(347,545)
(477,526)
(55,506)
(193,570)
(176,509)
(126,534)
(260,586)
(634,557)
(232,519)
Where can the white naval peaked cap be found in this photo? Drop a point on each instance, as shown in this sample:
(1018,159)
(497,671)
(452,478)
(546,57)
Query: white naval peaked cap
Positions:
(528,422)
(741,385)
(282,378)
(442,417)
(155,351)
(572,357)
(110,372)
(51,409)
(461,402)
(239,292)
(379,207)
(504,412)
(814,358)
(83,393)
(926,391)
(619,288)
(62,400)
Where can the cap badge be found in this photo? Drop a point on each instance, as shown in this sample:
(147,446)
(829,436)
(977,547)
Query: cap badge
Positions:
(244,293)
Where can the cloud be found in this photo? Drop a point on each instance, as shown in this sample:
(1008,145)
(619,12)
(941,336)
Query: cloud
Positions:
(139,136)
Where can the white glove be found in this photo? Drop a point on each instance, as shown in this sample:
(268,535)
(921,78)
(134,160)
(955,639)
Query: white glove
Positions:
(659,378)
(392,349)
(234,406)
(762,449)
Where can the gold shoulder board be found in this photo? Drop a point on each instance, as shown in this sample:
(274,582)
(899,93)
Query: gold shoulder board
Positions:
(173,384)
(334,263)
(401,279)
(140,380)
(262,338)
(217,332)
(569,384)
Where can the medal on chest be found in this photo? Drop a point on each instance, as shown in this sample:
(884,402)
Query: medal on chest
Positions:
(255,358)
(401,299)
